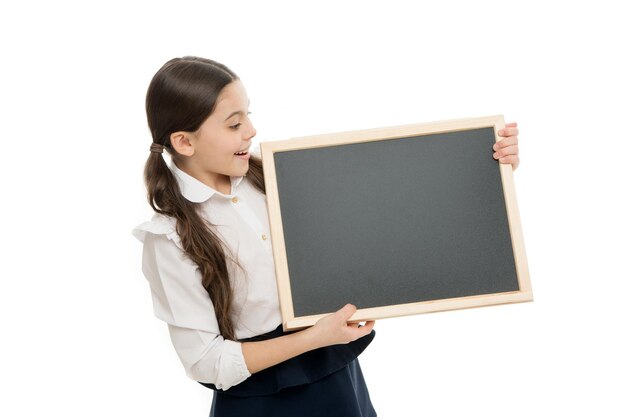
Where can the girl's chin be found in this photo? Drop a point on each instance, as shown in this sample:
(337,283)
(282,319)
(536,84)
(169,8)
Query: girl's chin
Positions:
(242,172)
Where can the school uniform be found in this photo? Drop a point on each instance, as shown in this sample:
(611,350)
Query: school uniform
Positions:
(323,382)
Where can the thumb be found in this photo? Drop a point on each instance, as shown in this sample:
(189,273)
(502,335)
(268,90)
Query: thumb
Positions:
(346,312)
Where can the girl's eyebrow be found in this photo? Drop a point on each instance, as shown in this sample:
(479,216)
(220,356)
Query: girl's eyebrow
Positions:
(241,112)
(234,113)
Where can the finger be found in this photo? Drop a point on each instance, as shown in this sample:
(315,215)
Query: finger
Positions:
(361,331)
(512,124)
(503,143)
(509,150)
(346,312)
(508,131)
(511,159)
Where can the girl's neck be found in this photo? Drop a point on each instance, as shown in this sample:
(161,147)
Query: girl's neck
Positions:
(218,182)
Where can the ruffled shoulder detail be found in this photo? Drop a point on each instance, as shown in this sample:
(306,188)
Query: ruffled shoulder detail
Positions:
(159,225)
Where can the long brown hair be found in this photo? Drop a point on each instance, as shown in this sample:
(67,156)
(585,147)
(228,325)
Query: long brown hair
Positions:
(180,97)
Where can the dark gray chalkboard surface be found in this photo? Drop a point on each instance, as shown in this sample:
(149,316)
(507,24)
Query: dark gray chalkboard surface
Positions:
(391,224)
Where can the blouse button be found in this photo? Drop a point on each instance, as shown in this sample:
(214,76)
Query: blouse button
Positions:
(263,237)
(234,199)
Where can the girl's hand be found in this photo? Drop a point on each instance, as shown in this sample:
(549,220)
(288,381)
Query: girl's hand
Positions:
(334,329)
(506,150)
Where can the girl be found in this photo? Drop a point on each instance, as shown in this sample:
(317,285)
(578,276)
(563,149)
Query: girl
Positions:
(209,263)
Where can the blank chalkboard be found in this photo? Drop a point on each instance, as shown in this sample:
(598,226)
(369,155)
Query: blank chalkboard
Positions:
(397,221)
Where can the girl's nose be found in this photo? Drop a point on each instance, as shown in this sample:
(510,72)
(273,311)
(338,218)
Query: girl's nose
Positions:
(251,132)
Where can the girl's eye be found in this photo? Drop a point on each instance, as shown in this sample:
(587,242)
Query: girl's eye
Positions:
(236,126)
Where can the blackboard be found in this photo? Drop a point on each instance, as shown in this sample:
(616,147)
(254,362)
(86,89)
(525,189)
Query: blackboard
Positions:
(396,221)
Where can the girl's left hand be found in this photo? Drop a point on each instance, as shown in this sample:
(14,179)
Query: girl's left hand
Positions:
(506,151)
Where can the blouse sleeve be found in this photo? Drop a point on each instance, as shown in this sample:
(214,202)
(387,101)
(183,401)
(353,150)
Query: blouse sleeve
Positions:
(181,301)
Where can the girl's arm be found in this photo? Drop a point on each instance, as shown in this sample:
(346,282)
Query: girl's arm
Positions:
(333,329)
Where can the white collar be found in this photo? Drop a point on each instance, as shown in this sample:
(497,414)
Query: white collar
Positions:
(196,191)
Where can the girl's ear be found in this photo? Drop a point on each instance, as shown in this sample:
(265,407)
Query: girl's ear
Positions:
(182,143)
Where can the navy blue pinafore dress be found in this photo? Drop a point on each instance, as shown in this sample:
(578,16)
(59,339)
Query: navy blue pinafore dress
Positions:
(325,382)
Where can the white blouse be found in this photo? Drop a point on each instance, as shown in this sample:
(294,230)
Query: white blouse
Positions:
(181,301)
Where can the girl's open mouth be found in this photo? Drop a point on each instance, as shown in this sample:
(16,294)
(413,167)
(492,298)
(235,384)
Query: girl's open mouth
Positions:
(243,155)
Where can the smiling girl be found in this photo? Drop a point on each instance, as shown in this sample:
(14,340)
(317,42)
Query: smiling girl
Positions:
(208,259)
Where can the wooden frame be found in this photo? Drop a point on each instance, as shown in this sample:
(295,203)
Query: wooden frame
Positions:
(268,149)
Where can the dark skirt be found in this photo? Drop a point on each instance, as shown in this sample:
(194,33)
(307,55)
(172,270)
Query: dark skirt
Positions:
(323,382)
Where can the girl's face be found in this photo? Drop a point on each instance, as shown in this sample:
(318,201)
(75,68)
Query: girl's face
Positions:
(226,131)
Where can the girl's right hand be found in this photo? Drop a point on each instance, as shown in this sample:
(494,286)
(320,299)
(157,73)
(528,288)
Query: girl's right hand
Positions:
(334,329)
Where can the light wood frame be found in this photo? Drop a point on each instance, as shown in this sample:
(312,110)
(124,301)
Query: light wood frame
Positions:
(290,322)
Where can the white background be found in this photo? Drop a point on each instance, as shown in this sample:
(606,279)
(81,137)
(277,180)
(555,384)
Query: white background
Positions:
(79,337)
